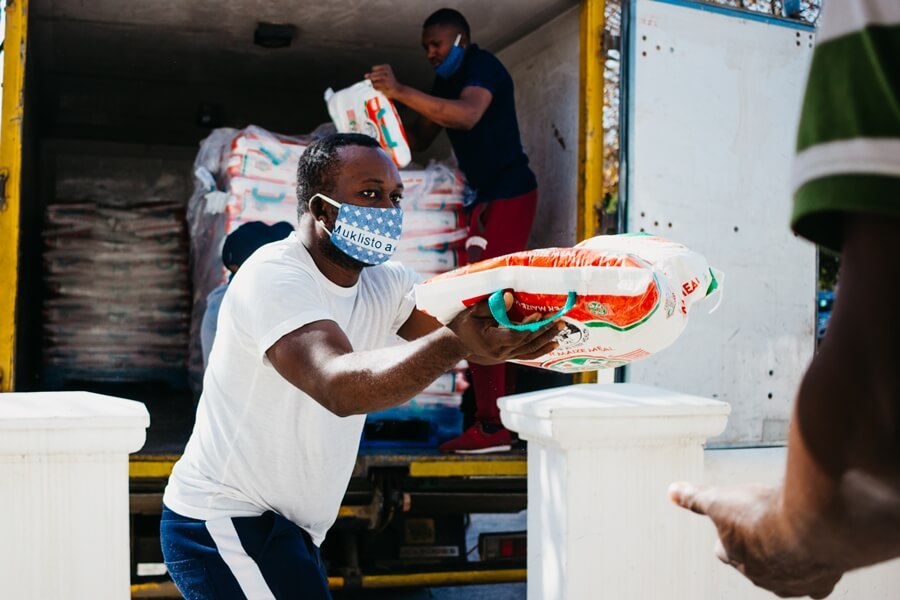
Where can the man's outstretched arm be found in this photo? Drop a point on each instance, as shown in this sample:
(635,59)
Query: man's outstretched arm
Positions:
(839,505)
(319,359)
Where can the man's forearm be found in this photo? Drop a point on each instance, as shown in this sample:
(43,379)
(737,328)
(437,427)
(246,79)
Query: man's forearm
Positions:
(838,506)
(452,114)
(843,473)
(364,382)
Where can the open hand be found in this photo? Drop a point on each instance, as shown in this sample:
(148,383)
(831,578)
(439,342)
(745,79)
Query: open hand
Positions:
(754,539)
(383,80)
(481,335)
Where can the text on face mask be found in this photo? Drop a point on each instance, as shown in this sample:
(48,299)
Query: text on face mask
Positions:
(365,239)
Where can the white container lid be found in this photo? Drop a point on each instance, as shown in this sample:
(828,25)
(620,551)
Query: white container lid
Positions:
(55,422)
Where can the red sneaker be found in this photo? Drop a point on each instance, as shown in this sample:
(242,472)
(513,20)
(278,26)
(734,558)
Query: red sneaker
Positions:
(475,440)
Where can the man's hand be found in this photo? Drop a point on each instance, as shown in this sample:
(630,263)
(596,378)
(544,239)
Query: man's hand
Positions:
(480,334)
(383,80)
(753,540)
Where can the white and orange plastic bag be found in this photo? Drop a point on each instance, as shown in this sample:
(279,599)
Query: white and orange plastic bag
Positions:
(622,297)
(361,108)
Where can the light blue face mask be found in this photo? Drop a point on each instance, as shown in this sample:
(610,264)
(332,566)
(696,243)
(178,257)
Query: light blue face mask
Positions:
(367,233)
(451,64)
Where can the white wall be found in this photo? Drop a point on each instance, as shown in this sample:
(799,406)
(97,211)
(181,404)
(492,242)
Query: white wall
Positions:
(544,67)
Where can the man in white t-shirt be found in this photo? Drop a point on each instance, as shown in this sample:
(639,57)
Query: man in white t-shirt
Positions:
(294,370)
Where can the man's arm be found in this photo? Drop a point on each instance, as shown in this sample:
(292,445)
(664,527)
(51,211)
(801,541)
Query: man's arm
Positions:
(319,359)
(420,324)
(839,505)
(453,114)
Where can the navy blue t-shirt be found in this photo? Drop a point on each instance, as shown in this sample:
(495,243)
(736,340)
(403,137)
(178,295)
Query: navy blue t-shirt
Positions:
(490,154)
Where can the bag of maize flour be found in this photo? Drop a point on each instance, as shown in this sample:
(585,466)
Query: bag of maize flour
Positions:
(621,297)
(361,108)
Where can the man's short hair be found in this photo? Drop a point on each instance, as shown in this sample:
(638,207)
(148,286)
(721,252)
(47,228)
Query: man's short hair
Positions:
(448,16)
(316,170)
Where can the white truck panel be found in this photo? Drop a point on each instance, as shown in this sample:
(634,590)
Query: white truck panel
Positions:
(544,68)
(714,104)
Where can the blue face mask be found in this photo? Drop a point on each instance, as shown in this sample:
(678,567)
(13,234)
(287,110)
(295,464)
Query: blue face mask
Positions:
(451,64)
(367,233)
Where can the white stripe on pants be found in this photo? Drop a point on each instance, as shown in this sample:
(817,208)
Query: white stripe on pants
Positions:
(244,568)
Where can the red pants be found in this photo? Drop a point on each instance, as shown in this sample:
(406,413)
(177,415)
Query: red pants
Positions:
(505,224)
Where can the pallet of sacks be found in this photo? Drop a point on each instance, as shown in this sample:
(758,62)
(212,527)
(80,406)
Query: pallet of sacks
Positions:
(117,303)
(434,223)
(434,234)
(240,176)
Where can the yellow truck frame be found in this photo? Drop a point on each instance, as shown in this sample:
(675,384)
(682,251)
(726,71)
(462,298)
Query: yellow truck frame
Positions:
(148,473)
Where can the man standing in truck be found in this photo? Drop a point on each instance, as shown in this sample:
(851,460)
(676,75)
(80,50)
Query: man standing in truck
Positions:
(299,361)
(473,99)
(839,505)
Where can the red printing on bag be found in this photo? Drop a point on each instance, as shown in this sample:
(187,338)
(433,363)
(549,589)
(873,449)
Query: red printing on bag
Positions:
(376,114)
(618,310)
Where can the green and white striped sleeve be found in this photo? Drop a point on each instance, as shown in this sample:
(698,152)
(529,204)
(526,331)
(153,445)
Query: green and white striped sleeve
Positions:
(848,144)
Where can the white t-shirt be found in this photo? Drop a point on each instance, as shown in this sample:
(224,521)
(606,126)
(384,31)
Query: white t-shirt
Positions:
(259,443)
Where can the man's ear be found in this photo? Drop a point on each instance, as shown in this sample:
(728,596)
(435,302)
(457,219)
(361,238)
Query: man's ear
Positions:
(316,207)
(318,210)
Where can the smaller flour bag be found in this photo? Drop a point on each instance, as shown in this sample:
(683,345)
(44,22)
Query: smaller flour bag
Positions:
(622,297)
(361,108)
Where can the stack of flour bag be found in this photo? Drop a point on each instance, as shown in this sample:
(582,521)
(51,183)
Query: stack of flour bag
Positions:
(250,175)
(116,299)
